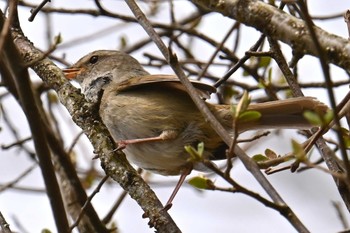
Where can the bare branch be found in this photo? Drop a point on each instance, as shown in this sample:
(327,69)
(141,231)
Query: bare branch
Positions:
(114,163)
(5,227)
(292,32)
(247,161)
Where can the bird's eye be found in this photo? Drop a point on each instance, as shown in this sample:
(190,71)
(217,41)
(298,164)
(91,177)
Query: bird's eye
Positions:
(93,59)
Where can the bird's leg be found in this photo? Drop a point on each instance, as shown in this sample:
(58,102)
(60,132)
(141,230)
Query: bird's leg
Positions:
(165,135)
(182,178)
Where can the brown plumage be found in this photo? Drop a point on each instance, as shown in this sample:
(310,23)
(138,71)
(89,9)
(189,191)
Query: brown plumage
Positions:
(153,117)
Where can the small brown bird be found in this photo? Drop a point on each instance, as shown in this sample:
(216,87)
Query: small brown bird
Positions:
(152,117)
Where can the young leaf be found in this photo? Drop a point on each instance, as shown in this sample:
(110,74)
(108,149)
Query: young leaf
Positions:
(245,73)
(347,141)
(195,154)
(242,104)
(201,182)
(262,84)
(249,116)
(234,110)
(346,137)
(313,118)
(52,97)
(260,158)
(270,154)
(269,76)
(200,148)
(264,61)
(45,231)
(328,117)
(58,39)
(123,42)
(298,151)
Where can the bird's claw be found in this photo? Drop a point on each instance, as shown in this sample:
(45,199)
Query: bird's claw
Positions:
(121,145)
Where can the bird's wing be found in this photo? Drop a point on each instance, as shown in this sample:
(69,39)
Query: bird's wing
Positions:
(167,81)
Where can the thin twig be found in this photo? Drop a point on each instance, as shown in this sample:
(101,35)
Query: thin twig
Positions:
(19,178)
(19,142)
(5,227)
(327,154)
(228,34)
(329,82)
(74,142)
(341,214)
(114,163)
(238,188)
(20,77)
(88,201)
(115,206)
(246,160)
(36,10)
(240,62)
(8,22)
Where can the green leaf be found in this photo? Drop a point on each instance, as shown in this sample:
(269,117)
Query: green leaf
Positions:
(269,76)
(346,137)
(261,84)
(245,101)
(288,93)
(192,152)
(260,158)
(195,154)
(201,182)
(298,151)
(328,117)
(245,73)
(234,110)
(270,154)
(200,148)
(264,61)
(52,97)
(242,104)
(249,116)
(313,118)
(347,142)
(45,231)
(123,42)
(58,39)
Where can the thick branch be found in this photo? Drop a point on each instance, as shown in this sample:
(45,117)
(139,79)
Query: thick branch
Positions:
(246,160)
(283,27)
(13,69)
(114,163)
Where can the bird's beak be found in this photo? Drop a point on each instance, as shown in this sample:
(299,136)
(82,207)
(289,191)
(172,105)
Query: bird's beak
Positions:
(71,73)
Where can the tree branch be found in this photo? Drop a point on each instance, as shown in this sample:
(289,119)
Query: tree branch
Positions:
(279,25)
(17,72)
(246,160)
(86,117)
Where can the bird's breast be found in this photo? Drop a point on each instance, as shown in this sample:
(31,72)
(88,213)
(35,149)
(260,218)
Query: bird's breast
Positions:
(144,114)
